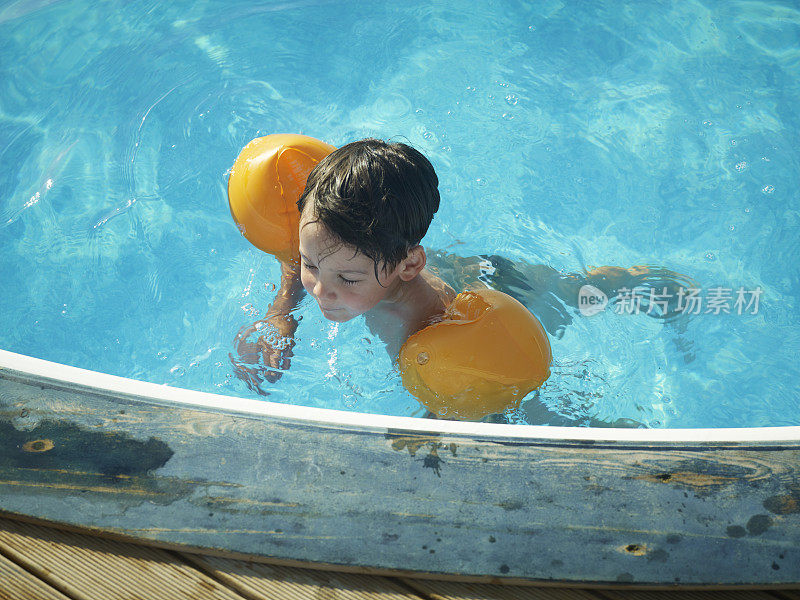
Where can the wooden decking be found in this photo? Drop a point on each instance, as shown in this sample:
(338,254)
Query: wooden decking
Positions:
(39,562)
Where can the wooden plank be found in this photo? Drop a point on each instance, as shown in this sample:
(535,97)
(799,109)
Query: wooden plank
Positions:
(435,504)
(259,580)
(452,590)
(688,595)
(88,568)
(16,583)
(443,590)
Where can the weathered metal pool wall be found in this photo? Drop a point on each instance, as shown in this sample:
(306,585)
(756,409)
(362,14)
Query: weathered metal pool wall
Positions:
(546,504)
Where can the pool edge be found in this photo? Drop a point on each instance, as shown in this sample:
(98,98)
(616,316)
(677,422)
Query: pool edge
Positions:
(14,365)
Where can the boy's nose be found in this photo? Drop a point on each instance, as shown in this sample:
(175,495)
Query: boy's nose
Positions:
(322,292)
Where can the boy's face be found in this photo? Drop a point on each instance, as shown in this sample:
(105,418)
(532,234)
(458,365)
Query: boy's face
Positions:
(342,282)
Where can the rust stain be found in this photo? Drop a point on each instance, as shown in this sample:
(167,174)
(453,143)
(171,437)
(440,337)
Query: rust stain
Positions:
(220,531)
(634,549)
(75,473)
(102,489)
(689,479)
(412,443)
(60,444)
(38,446)
(432,461)
(248,501)
(784,504)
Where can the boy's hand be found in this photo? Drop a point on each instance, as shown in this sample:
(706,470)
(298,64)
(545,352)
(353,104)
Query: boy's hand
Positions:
(276,350)
(273,349)
(266,345)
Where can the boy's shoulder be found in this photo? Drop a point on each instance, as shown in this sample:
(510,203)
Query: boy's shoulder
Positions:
(439,287)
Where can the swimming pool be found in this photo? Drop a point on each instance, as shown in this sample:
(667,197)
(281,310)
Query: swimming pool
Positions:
(563,134)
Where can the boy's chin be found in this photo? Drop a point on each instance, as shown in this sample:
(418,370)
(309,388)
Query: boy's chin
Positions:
(337,316)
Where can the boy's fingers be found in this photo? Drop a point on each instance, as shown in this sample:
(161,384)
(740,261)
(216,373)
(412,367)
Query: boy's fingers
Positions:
(279,359)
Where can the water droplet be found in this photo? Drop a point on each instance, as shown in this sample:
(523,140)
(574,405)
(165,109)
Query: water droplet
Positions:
(733,142)
(178,371)
(508,116)
(709,256)
(422,358)
(768,189)
(270,287)
(481,181)
(741,166)
(531,28)
(708,123)
(732,227)
(512,99)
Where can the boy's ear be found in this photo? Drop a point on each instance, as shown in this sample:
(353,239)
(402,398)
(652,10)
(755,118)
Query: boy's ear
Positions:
(412,264)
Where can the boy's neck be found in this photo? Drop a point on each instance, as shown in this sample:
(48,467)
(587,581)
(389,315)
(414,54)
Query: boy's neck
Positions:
(409,307)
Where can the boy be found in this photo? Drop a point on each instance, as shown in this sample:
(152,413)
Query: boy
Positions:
(364,212)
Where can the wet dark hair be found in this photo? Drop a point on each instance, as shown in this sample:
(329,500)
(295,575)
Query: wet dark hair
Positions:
(376,196)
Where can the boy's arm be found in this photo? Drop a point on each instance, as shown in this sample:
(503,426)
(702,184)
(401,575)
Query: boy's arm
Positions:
(547,292)
(286,300)
(614,280)
(274,349)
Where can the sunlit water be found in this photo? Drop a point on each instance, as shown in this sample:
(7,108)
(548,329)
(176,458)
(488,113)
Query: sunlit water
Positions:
(568,134)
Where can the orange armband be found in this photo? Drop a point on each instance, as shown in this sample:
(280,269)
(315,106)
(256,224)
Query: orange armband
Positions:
(485,355)
(264,185)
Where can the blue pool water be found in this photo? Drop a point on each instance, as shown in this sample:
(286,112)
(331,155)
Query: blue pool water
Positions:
(566,134)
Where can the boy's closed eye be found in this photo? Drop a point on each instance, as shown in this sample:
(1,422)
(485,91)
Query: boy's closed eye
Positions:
(344,279)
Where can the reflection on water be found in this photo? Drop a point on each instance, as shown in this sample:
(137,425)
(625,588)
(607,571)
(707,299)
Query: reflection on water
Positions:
(564,134)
